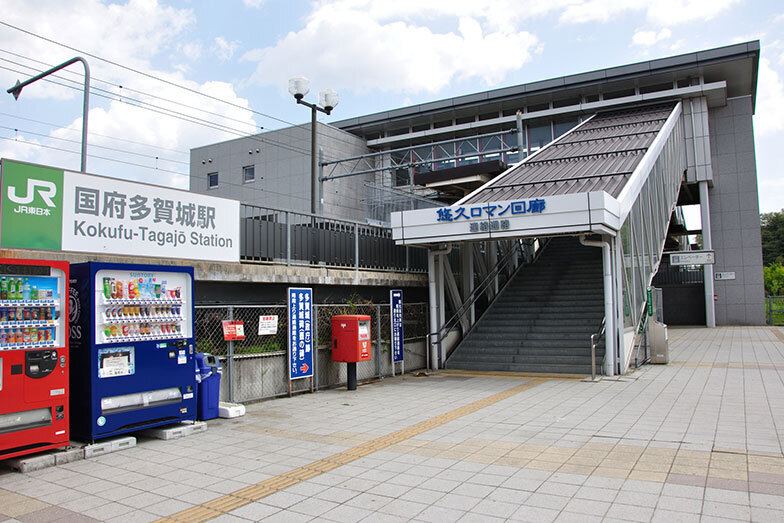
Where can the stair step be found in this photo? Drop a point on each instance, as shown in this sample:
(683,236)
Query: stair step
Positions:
(546,368)
(544,319)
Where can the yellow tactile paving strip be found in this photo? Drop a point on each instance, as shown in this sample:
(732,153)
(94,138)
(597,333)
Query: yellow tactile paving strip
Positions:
(778,334)
(13,505)
(242,497)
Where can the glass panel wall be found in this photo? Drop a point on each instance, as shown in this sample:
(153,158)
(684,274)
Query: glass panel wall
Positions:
(644,230)
(539,136)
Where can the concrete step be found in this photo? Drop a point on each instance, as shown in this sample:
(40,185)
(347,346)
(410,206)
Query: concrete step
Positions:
(544,368)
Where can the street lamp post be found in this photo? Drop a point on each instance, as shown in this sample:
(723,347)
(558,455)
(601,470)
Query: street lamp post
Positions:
(299,86)
(16,90)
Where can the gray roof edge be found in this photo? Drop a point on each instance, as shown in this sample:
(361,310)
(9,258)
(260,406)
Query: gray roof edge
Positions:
(694,59)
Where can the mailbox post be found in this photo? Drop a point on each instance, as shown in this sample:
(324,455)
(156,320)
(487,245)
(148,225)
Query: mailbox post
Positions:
(351,343)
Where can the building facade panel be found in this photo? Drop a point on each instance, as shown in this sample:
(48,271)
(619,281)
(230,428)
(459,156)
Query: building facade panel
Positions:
(735,212)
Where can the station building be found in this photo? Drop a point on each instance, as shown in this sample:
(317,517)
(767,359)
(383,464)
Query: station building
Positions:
(547,209)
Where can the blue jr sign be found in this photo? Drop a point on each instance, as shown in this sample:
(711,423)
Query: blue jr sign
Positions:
(300,333)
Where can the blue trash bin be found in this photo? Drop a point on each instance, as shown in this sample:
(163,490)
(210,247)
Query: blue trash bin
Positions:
(208,375)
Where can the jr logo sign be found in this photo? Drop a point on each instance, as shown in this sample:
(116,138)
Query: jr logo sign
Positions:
(31,206)
(46,191)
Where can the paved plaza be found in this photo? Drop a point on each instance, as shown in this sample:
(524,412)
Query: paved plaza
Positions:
(699,439)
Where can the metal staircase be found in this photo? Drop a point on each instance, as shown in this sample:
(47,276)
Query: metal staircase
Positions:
(544,319)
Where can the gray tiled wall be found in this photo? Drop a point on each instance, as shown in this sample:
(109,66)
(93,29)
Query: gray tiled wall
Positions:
(734,209)
(282,163)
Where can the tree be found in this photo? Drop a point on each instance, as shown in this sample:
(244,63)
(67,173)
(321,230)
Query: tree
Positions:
(774,279)
(772,229)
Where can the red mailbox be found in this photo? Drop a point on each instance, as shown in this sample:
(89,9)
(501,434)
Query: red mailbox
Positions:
(351,338)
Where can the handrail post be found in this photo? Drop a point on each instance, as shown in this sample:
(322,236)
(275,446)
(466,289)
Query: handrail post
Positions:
(356,247)
(288,238)
(770,311)
(593,357)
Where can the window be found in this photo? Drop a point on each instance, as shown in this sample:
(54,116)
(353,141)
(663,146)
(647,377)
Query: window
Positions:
(212,180)
(564,126)
(539,136)
(248,173)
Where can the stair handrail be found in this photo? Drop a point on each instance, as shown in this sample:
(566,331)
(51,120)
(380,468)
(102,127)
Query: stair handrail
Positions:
(442,333)
(595,337)
(640,341)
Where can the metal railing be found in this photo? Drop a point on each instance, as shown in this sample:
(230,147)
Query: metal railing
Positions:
(277,236)
(256,368)
(595,337)
(774,306)
(641,343)
(499,270)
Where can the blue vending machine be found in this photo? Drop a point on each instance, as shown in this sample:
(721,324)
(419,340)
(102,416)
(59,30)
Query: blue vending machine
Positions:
(132,349)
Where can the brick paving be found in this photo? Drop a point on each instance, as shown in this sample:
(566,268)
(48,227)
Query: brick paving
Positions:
(699,439)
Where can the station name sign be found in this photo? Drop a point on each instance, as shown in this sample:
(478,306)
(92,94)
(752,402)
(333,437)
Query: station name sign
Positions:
(489,216)
(693,258)
(52,209)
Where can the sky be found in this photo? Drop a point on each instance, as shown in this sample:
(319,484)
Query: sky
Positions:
(171,76)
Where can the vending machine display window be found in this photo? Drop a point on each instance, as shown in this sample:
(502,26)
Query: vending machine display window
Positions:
(34,358)
(133,349)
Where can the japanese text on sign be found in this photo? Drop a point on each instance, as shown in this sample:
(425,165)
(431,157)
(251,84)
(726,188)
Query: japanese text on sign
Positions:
(115,204)
(396,317)
(233,330)
(300,333)
(268,324)
(449,214)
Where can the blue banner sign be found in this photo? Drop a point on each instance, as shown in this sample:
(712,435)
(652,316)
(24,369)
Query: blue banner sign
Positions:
(300,333)
(396,322)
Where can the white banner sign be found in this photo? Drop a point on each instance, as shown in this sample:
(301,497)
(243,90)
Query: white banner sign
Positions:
(693,258)
(105,215)
(268,325)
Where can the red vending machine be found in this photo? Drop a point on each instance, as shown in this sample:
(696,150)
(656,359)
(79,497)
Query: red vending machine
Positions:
(33,356)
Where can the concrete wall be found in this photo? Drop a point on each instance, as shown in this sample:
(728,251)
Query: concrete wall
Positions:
(734,209)
(261,376)
(282,164)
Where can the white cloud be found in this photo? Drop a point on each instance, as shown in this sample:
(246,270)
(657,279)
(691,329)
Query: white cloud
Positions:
(192,50)
(132,34)
(372,45)
(769,114)
(224,49)
(648,38)
(658,12)
(253,3)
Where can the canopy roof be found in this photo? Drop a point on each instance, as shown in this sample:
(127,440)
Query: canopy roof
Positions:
(599,155)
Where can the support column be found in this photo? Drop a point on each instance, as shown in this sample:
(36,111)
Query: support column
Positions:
(467,273)
(441,305)
(707,244)
(617,253)
(432,295)
(492,260)
(609,311)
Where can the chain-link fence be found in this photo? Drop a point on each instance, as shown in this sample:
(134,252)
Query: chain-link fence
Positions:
(257,367)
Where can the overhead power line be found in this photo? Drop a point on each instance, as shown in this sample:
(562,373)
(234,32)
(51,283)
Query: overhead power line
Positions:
(94,156)
(224,183)
(168,112)
(124,151)
(148,75)
(93,133)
